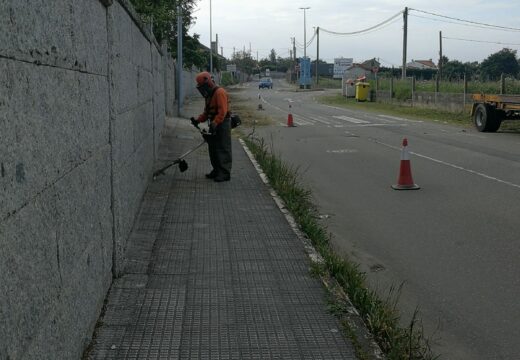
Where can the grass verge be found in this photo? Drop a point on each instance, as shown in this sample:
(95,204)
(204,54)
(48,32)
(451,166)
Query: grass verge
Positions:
(249,115)
(380,315)
(415,113)
(461,119)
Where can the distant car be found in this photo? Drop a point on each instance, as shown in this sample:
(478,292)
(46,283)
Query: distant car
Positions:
(265,83)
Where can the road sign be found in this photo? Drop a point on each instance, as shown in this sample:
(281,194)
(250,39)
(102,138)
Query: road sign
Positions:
(340,65)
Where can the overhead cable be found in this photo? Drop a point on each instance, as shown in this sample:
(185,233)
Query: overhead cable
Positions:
(450,22)
(480,41)
(489,26)
(312,39)
(364,30)
(301,46)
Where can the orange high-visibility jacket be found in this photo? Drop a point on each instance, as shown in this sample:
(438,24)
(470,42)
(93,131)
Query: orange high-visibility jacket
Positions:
(216,107)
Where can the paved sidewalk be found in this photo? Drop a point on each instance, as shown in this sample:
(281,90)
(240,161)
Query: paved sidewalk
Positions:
(215,272)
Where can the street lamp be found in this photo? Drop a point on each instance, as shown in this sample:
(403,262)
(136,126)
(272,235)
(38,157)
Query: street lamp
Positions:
(304,31)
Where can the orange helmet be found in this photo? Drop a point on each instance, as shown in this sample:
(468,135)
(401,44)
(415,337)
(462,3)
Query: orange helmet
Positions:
(205,84)
(204,78)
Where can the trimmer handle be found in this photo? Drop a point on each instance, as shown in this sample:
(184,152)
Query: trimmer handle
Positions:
(194,122)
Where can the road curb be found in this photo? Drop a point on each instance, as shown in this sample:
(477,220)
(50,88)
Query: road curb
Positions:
(365,340)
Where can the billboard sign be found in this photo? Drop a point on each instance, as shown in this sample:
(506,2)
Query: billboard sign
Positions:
(231,68)
(340,65)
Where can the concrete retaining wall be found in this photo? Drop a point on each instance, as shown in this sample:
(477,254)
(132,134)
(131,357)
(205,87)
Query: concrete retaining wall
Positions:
(83,91)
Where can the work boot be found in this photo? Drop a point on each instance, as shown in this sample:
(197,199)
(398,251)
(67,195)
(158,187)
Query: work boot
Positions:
(211,175)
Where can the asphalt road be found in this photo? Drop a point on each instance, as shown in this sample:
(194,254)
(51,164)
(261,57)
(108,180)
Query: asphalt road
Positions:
(455,243)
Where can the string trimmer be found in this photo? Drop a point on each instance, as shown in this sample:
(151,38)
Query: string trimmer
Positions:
(183,165)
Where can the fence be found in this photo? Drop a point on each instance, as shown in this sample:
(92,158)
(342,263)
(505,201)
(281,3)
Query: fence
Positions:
(453,96)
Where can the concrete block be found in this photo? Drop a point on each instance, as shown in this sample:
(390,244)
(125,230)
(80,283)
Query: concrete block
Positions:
(52,121)
(30,281)
(84,215)
(75,316)
(53,243)
(71,34)
(141,57)
(145,85)
(123,136)
(123,85)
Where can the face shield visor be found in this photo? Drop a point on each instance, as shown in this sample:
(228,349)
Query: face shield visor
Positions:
(204,90)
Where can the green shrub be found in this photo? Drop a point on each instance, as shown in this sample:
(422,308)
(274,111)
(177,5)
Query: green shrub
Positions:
(226,79)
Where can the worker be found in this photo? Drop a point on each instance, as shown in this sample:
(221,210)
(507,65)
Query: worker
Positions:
(217,114)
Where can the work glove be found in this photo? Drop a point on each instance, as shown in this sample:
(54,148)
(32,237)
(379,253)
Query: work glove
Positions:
(194,122)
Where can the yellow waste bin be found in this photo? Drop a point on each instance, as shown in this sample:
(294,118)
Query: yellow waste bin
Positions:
(362,90)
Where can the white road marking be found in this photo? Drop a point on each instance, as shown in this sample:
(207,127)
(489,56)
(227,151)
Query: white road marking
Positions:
(343,151)
(485,176)
(351,119)
(399,118)
(368,125)
(321,120)
(302,121)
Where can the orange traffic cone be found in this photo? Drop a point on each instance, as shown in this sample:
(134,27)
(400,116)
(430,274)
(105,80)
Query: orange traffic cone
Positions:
(289,118)
(405,181)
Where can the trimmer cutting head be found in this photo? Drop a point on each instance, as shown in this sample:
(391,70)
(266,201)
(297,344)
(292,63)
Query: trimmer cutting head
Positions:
(183,165)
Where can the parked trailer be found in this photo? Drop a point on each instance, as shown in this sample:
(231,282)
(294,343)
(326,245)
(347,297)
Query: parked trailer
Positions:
(489,111)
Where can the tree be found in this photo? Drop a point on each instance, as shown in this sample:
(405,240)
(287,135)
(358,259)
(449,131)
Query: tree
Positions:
(244,61)
(272,56)
(162,14)
(502,62)
(443,61)
(453,69)
(284,64)
(471,68)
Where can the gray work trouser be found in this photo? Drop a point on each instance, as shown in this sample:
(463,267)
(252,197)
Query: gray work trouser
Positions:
(219,146)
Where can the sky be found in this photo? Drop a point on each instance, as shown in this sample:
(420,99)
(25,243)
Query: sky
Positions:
(262,25)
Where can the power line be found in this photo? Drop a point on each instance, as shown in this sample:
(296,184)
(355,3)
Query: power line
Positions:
(364,30)
(373,30)
(489,26)
(301,46)
(312,38)
(480,41)
(453,22)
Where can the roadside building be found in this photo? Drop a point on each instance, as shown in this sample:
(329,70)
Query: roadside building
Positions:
(359,71)
(421,65)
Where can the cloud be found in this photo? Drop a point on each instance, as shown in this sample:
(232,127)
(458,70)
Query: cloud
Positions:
(271,24)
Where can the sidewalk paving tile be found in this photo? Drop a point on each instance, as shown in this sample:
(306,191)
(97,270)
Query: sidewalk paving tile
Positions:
(214,271)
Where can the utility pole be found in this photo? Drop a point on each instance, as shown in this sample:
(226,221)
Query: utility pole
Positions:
(317,51)
(440,55)
(405,40)
(180,95)
(304,31)
(210,42)
(294,47)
